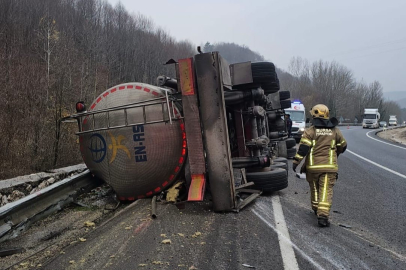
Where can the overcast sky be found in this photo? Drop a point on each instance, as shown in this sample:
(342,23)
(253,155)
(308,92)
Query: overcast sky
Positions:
(367,36)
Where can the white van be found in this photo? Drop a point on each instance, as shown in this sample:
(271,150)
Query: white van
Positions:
(298,116)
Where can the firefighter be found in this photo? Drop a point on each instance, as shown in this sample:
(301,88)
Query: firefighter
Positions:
(321,144)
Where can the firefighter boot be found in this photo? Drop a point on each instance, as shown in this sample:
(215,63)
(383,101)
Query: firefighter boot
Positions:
(323,221)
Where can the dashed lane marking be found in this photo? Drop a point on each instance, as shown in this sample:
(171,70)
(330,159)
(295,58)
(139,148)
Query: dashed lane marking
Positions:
(383,141)
(378,165)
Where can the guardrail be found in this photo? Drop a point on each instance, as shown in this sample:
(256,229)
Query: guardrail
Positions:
(17,216)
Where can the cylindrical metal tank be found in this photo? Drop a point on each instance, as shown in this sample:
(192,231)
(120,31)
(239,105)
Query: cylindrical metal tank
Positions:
(136,160)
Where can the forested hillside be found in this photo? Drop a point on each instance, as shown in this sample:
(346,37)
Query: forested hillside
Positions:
(54,53)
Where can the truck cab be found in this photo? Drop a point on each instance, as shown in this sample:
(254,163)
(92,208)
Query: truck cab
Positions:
(393,121)
(298,116)
(371,118)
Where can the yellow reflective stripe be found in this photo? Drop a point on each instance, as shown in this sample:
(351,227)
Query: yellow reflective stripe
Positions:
(333,142)
(341,143)
(315,192)
(306,141)
(327,166)
(298,156)
(324,189)
(311,152)
(323,208)
(324,204)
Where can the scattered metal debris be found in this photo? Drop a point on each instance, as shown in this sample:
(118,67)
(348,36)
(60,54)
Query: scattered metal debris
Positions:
(11,251)
(153,207)
(244,185)
(247,265)
(345,226)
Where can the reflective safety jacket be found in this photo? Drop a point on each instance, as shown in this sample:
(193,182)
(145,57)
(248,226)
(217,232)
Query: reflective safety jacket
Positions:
(321,147)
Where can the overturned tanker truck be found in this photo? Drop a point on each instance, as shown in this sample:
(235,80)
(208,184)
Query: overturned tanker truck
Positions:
(216,126)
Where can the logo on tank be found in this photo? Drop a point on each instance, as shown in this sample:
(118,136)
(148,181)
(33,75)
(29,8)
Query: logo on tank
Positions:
(97,147)
(116,144)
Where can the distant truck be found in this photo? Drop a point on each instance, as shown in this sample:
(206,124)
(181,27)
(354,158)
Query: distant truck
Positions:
(393,121)
(371,118)
(298,116)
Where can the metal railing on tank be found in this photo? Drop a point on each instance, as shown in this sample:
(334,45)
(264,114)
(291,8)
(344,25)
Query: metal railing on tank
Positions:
(168,110)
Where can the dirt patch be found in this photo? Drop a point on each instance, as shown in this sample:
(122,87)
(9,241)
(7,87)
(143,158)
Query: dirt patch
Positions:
(397,135)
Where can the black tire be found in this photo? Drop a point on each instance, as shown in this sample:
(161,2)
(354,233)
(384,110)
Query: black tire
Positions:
(281,159)
(262,66)
(277,125)
(283,95)
(285,104)
(291,152)
(282,165)
(270,90)
(271,115)
(290,142)
(273,135)
(282,150)
(269,181)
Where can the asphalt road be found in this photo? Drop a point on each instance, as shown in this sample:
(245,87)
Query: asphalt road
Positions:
(278,231)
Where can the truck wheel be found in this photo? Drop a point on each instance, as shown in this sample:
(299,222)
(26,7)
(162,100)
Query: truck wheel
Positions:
(277,125)
(269,181)
(273,135)
(282,150)
(290,142)
(291,152)
(285,104)
(280,159)
(271,115)
(283,95)
(282,165)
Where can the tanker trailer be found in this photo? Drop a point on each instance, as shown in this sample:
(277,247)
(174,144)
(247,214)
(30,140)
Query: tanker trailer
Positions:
(213,117)
(126,139)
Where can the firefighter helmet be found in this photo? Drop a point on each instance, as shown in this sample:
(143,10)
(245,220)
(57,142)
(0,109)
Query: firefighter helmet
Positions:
(320,111)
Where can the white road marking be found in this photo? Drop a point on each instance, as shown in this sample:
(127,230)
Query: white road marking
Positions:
(286,245)
(378,165)
(383,141)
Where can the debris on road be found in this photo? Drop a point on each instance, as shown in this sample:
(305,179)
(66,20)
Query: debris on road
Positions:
(247,265)
(89,224)
(196,234)
(345,226)
(173,192)
(166,241)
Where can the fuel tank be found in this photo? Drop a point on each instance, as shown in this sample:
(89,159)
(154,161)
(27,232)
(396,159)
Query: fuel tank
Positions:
(134,149)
